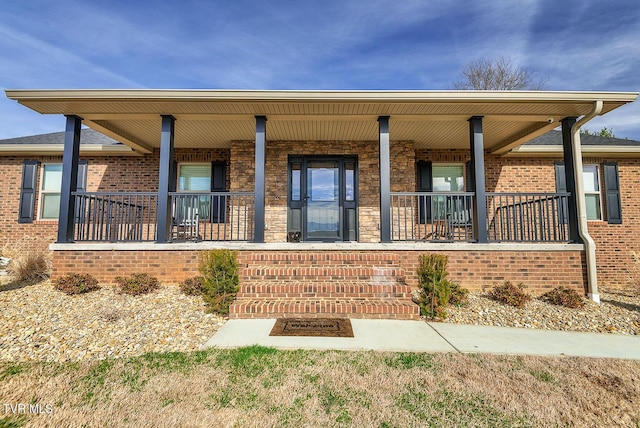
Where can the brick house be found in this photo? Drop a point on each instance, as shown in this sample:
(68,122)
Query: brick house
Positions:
(329,197)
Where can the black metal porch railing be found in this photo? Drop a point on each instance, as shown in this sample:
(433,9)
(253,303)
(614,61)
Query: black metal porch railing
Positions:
(217,216)
(448,217)
(432,216)
(117,216)
(527,217)
(131,216)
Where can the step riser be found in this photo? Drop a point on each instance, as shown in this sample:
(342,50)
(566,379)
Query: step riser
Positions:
(344,272)
(320,257)
(318,309)
(322,287)
(298,289)
(287,295)
(326,315)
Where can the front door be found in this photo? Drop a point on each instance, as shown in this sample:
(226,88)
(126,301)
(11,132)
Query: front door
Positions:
(322,198)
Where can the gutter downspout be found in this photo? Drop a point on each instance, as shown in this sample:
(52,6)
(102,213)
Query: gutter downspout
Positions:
(589,244)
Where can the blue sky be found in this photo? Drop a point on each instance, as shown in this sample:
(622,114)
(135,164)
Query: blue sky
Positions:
(325,44)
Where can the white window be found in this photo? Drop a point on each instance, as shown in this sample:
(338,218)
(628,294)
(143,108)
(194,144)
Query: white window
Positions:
(448,178)
(591,178)
(50,184)
(194,177)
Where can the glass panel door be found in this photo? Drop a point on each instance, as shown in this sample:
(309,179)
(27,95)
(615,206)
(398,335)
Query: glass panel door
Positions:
(323,201)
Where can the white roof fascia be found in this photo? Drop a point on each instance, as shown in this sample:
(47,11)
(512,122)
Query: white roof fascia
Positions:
(308,95)
(40,149)
(557,150)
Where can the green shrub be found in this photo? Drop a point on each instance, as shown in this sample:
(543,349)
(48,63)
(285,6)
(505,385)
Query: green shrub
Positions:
(76,283)
(436,289)
(192,286)
(219,269)
(137,283)
(459,296)
(564,296)
(510,294)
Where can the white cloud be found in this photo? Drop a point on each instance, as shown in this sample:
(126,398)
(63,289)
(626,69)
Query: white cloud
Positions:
(284,44)
(26,59)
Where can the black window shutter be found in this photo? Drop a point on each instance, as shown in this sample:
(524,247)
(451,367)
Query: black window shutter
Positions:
(82,176)
(561,187)
(173,176)
(425,184)
(81,186)
(468,185)
(561,180)
(218,184)
(28,191)
(612,193)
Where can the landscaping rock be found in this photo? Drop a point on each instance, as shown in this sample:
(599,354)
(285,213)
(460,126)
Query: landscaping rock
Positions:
(38,322)
(618,312)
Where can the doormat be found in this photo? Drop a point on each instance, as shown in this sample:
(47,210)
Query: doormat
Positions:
(319,327)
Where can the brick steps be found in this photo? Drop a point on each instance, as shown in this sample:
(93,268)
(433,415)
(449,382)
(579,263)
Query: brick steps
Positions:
(322,284)
(324,308)
(284,273)
(323,289)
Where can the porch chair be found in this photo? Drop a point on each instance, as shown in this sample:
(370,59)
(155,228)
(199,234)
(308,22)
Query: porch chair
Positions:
(460,227)
(440,231)
(186,223)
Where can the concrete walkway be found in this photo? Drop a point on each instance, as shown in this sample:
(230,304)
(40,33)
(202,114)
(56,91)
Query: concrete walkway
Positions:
(419,336)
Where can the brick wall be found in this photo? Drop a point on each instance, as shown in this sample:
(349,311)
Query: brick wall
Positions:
(402,178)
(503,174)
(104,174)
(539,271)
(615,243)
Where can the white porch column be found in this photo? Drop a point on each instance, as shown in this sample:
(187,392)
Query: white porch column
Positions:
(385,180)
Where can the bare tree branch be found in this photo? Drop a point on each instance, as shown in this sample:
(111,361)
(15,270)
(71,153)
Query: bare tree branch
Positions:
(497,75)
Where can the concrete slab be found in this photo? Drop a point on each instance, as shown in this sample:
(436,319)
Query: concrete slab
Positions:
(505,340)
(379,335)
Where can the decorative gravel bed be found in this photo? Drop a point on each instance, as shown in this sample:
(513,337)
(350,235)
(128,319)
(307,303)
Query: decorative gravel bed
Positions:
(38,322)
(618,312)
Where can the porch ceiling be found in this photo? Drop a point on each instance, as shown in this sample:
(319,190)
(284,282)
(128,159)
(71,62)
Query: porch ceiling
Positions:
(432,119)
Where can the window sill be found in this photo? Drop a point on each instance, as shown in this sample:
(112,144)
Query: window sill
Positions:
(45,222)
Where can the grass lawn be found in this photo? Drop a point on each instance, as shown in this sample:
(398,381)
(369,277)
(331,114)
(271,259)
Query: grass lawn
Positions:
(259,386)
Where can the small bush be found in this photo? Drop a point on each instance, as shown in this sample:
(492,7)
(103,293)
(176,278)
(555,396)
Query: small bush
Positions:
(30,266)
(437,291)
(219,269)
(510,294)
(459,296)
(76,283)
(633,272)
(192,286)
(137,283)
(564,296)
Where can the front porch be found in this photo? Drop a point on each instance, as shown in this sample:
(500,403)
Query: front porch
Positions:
(330,229)
(380,176)
(276,188)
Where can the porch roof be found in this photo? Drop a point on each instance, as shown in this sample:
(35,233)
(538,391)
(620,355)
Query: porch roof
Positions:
(214,118)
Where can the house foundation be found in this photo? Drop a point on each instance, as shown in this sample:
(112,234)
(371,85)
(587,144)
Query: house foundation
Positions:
(539,267)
